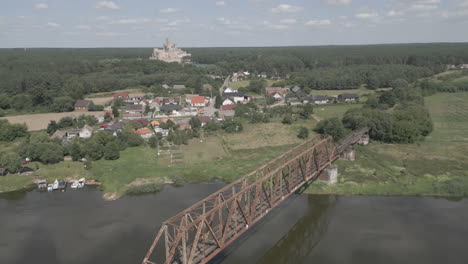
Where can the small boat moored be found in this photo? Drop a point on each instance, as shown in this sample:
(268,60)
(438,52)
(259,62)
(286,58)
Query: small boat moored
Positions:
(74,185)
(92,183)
(81,183)
(55,186)
(42,185)
(50,187)
(62,185)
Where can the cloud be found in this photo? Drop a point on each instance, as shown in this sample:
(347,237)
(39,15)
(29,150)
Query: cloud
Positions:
(177,22)
(52,25)
(169,10)
(338,2)
(321,22)
(83,27)
(107,4)
(110,34)
(42,6)
(220,3)
(288,21)
(368,15)
(393,13)
(275,26)
(130,21)
(463,3)
(225,21)
(285,8)
(420,5)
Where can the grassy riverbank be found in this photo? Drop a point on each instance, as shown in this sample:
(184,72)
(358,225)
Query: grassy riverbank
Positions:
(436,166)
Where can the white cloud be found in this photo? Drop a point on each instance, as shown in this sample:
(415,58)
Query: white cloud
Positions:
(338,2)
(349,25)
(220,3)
(107,4)
(225,21)
(321,22)
(274,26)
(178,22)
(288,21)
(463,3)
(103,18)
(420,5)
(169,10)
(42,6)
(369,15)
(168,29)
(52,25)
(110,34)
(83,27)
(393,13)
(130,21)
(285,8)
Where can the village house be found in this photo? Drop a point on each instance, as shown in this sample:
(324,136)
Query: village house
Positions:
(178,87)
(134,99)
(86,132)
(229,107)
(188,98)
(133,116)
(84,105)
(155,123)
(155,104)
(227,101)
(115,128)
(348,97)
(316,99)
(297,90)
(165,86)
(273,90)
(203,120)
(240,75)
(58,134)
(134,109)
(197,101)
(145,132)
(278,97)
(123,96)
(142,121)
(236,97)
(230,90)
(170,108)
(185,126)
(4,172)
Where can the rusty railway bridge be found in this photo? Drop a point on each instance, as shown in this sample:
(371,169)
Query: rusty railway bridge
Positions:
(199,233)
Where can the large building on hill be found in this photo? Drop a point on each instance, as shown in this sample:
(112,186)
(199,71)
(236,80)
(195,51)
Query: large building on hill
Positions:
(169,53)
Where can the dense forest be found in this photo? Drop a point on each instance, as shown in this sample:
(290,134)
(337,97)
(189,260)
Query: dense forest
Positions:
(51,79)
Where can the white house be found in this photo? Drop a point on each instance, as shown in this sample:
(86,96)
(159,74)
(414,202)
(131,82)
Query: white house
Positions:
(86,132)
(228,101)
(277,96)
(230,90)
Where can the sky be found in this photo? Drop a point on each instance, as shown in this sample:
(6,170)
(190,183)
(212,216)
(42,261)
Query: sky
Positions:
(229,23)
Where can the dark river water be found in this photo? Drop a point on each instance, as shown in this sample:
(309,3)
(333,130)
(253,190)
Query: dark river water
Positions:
(80,227)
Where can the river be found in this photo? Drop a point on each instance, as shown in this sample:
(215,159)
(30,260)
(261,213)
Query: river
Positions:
(79,227)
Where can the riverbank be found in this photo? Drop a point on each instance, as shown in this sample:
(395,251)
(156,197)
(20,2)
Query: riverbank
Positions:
(437,166)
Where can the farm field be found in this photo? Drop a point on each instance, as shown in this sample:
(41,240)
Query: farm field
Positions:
(334,110)
(37,122)
(436,166)
(106,97)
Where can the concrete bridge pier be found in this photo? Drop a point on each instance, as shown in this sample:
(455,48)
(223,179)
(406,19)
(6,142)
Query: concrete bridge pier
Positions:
(348,154)
(364,140)
(330,175)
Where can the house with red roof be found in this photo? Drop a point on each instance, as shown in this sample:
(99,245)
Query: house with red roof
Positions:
(228,107)
(197,101)
(123,96)
(145,132)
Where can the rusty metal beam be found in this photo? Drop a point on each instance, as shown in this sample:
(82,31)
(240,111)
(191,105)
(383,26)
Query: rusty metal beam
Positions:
(247,200)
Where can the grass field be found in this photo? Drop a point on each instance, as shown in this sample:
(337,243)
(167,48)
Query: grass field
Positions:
(334,110)
(436,166)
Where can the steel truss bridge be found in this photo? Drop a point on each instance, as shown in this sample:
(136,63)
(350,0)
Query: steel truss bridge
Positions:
(199,233)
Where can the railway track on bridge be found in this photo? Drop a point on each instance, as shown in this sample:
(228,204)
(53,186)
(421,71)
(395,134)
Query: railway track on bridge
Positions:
(199,233)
